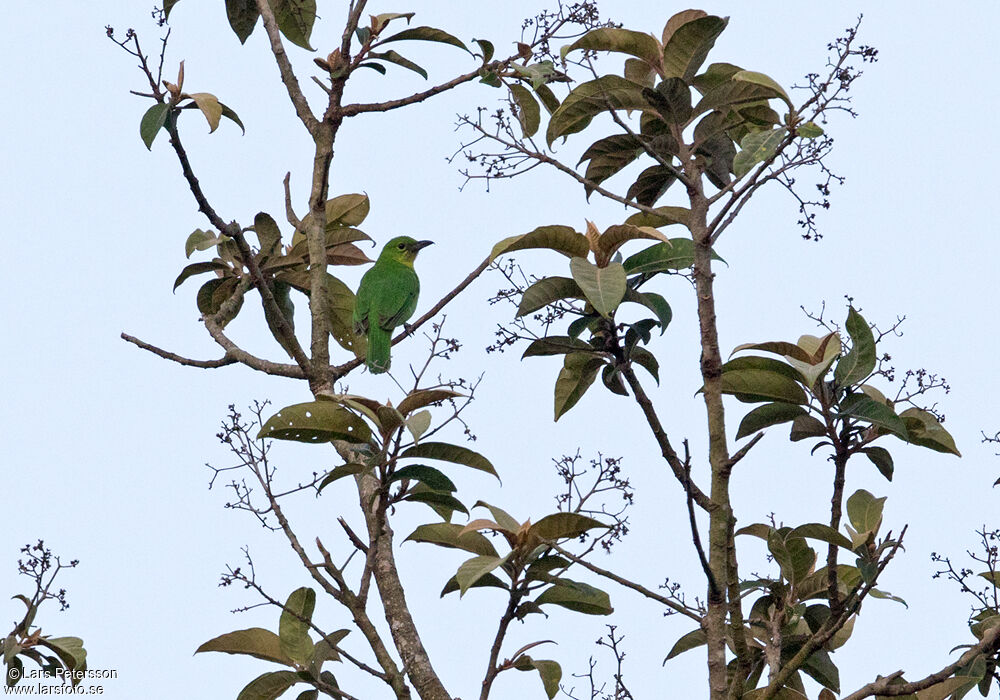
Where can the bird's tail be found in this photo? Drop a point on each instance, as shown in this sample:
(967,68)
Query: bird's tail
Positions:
(378,349)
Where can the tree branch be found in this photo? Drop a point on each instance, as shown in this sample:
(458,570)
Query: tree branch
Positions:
(165,354)
(298,100)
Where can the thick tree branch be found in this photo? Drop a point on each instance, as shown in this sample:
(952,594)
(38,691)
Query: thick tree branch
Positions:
(298,99)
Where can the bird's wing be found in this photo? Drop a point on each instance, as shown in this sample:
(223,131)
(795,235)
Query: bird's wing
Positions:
(397,298)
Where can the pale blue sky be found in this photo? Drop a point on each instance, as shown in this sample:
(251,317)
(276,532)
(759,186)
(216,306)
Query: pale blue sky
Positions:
(105,444)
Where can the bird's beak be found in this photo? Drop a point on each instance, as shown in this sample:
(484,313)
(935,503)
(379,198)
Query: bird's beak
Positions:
(420,245)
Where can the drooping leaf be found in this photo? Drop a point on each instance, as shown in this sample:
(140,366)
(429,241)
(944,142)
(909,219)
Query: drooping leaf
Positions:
(652,183)
(528,111)
(662,216)
(805,427)
(757,379)
(451,535)
(474,569)
(427,34)
(197,269)
(562,239)
(642,46)
(428,475)
(591,98)
(487,48)
(749,76)
(485,581)
(645,359)
(688,46)
(257,642)
(152,121)
(393,57)
(925,430)
(232,116)
(820,667)
(269,686)
(295,20)
(340,472)
(547,291)
(604,287)
(655,303)
(268,234)
(210,107)
(866,409)
(444,504)
(767,415)
(757,147)
(69,650)
(562,525)
(293,627)
(243,15)
(168,5)
(793,555)
(315,421)
(734,93)
(865,511)
(445,452)
(857,364)
(691,640)
(555,345)
(549,671)
(424,397)
(614,237)
(578,373)
(882,460)
(576,596)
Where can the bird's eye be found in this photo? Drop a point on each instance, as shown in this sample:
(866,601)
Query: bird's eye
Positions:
(401,246)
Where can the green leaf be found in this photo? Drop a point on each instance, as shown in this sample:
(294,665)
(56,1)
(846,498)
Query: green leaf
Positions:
(528,112)
(824,533)
(619,40)
(559,526)
(691,640)
(428,475)
(69,650)
(210,107)
(820,667)
(672,100)
(749,76)
(487,48)
(293,627)
(447,535)
(295,20)
(778,348)
(604,287)
(168,5)
(562,239)
(555,345)
(269,686)
(866,409)
(268,234)
(645,359)
(546,291)
(592,98)
(757,147)
(393,57)
(242,16)
(550,672)
(767,415)
(882,460)
(539,570)
(152,121)
(860,361)
(608,156)
(197,269)
(201,240)
(424,397)
(925,430)
(486,581)
(426,34)
(756,379)
(805,427)
(446,452)
(441,503)
(614,237)
(576,596)
(229,114)
(662,216)
(578,373)
(340,472)
(793,555)
(865,511)
(257,642)
(734,93)
(315,421)
(502,517)
(678,254)
(652,183)
(474,569)
(655,303)
(809,130)
(688,46)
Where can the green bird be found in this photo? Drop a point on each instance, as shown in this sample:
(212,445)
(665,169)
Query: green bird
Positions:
(387,297)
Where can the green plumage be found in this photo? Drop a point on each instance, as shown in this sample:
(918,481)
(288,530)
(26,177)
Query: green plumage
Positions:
(387,298)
